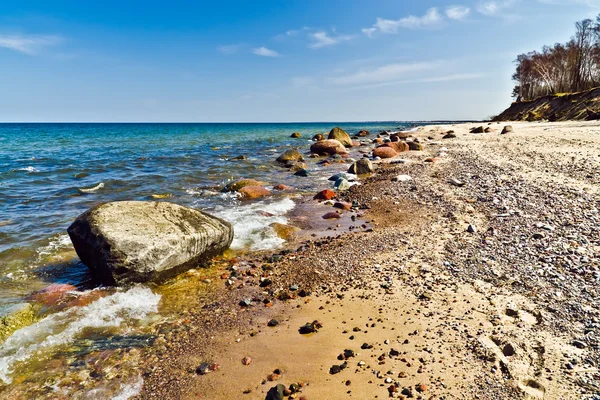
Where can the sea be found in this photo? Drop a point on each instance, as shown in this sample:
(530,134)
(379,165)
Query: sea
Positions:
(52,172)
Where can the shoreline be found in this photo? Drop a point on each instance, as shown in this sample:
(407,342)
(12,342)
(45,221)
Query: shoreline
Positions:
(421,247)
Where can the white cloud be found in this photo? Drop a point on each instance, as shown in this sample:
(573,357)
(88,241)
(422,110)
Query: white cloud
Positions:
(458,12)
(29,44)
(323,39)
(434,79)
(229,49)
(384,73)
(493,8)
(431,18)
(265,52)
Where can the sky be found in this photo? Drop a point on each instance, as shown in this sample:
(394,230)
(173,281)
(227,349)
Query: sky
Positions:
(269,60)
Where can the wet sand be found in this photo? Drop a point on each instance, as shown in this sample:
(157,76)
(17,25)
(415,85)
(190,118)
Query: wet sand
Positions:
(481,273)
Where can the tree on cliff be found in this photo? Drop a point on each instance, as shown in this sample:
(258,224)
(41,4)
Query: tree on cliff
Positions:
(562,68)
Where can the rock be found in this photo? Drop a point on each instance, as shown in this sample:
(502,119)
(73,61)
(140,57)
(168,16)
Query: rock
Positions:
(507,129)
(138,241)
(343,206)
(276,393)
(449,136)
(471,229)
(431,160)
(362,166)
(328,147)
(298,166)
(538,235)
(206,368)
(236,186)
(345,175)
(343,184)
(290,155)
(295,135)
(318,137)
(253,192)
(363,133)
(302,172)
(478,129)
(325,195)
(488,130)
(336,369)
(246,361)
(273,322)
(402,178)
(384,152)
(238,158)
(281,186)
(415,146)
(456,182)
(341,136)
(508,350)
(331,215)
(400,135)
(285,232)
(310,327)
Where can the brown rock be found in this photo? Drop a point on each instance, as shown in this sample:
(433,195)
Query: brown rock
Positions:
(332,215)
(478,129)
(343,205)
(385,152)
(246,361)
(378,140)
(341,136)
(281,186)
(399,146)
(236,186)
(328,147)
(298,166)
(295,135)
(290,155)
(325,195)
(284,231)
(363,133)
(507,129)
(318,137)
(431,160)
(253,192)
(415,146)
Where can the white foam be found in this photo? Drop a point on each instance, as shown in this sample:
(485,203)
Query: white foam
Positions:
(251,229)
(92,189)
(130,390)
(57,242)
(63,327)
(29,169)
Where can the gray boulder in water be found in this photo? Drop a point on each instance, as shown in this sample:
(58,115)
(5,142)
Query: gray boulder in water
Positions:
(138,241)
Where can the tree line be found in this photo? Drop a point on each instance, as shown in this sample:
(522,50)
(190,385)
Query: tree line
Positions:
(563,68)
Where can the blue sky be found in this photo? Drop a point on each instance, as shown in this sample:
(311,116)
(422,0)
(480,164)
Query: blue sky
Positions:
(269,60)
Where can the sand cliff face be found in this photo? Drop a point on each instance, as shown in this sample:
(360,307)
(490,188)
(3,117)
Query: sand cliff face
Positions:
(583,106)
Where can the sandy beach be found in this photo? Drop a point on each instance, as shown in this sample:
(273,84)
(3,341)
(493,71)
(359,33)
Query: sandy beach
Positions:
(478,279)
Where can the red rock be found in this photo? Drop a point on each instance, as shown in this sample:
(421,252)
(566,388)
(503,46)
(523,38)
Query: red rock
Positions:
(246,360)
(53,294)
(253,192)
(421,388)
(328,147)
(343,205)
(400,147)
(385,152)
(355,144)
(325,195)
(332,215)
(281,186)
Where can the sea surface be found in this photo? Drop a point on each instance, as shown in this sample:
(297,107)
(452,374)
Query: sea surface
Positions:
(51,173)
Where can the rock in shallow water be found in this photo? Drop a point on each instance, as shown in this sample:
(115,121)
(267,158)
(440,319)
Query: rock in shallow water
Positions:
(137,241)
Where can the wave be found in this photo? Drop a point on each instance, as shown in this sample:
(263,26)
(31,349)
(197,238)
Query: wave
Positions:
(251,223)
(62,328)
(29,169)
(92,189)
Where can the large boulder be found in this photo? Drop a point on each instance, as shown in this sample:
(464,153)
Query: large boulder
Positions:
(362,166)
(290,155)
(253,192)
(138,241)
(328,147)
(341,136)
(400,147)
